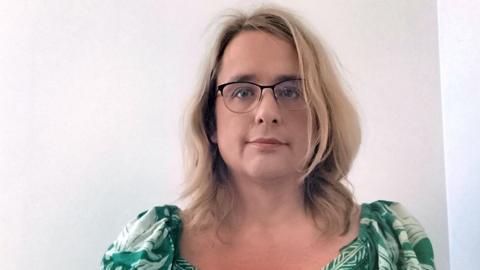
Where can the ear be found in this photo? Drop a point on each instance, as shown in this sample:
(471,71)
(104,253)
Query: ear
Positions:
(213,137)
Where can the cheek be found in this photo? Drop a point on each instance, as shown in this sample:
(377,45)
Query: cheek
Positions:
(230,129)
(230,141)
(230,132)
(299,128)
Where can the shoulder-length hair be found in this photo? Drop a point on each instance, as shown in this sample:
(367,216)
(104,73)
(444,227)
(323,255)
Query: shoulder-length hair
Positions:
(333,129)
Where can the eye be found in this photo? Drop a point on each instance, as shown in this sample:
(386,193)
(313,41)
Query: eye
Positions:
(243,92)
(288,92)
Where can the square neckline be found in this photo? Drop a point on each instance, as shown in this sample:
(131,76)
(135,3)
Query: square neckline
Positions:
(181,262)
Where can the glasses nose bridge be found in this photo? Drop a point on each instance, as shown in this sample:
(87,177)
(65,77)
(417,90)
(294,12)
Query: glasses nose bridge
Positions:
(260,98)
(262,88)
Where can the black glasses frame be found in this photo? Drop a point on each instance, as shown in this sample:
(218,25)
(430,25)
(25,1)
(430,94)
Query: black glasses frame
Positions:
(262,87)
(220,87)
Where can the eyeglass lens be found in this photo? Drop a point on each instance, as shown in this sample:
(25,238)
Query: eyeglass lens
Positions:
(244,96)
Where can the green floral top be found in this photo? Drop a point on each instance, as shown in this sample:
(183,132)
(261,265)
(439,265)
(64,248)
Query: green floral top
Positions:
(389,238)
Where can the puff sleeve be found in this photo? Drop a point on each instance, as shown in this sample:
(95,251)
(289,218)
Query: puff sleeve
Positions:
(145,243)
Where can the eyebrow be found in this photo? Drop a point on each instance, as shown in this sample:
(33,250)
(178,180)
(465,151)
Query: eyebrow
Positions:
(254,78)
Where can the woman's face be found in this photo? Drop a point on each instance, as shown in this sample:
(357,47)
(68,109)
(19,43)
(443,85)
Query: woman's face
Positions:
(268,142)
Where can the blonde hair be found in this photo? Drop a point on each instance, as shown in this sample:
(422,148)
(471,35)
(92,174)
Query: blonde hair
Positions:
(333,129)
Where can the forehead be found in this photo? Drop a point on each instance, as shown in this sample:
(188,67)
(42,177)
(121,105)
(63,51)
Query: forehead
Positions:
(262,56)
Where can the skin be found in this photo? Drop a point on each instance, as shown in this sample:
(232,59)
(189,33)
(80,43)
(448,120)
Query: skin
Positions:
(262,176)
(269,211)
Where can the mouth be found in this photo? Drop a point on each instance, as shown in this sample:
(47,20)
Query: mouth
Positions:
(266,143)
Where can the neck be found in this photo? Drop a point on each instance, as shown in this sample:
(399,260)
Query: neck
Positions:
(268,212)
(267,204)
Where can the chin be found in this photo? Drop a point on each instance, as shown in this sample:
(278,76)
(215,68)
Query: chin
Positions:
(267,174)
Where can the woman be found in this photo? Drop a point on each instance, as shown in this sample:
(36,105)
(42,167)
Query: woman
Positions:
(270,139)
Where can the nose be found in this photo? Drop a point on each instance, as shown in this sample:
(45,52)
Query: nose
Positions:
(267,110)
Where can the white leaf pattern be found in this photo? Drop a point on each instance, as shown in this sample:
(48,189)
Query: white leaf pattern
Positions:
(387,240)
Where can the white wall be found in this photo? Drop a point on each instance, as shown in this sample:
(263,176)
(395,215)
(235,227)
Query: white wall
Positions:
(460,65)
(91,93)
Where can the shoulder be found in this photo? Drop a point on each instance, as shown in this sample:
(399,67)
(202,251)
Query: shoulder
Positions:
(148,241)
(397,236)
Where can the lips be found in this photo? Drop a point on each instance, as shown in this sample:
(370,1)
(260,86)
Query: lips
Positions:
(267,141)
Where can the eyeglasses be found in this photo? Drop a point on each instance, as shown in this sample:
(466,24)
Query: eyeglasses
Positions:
(242,97)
